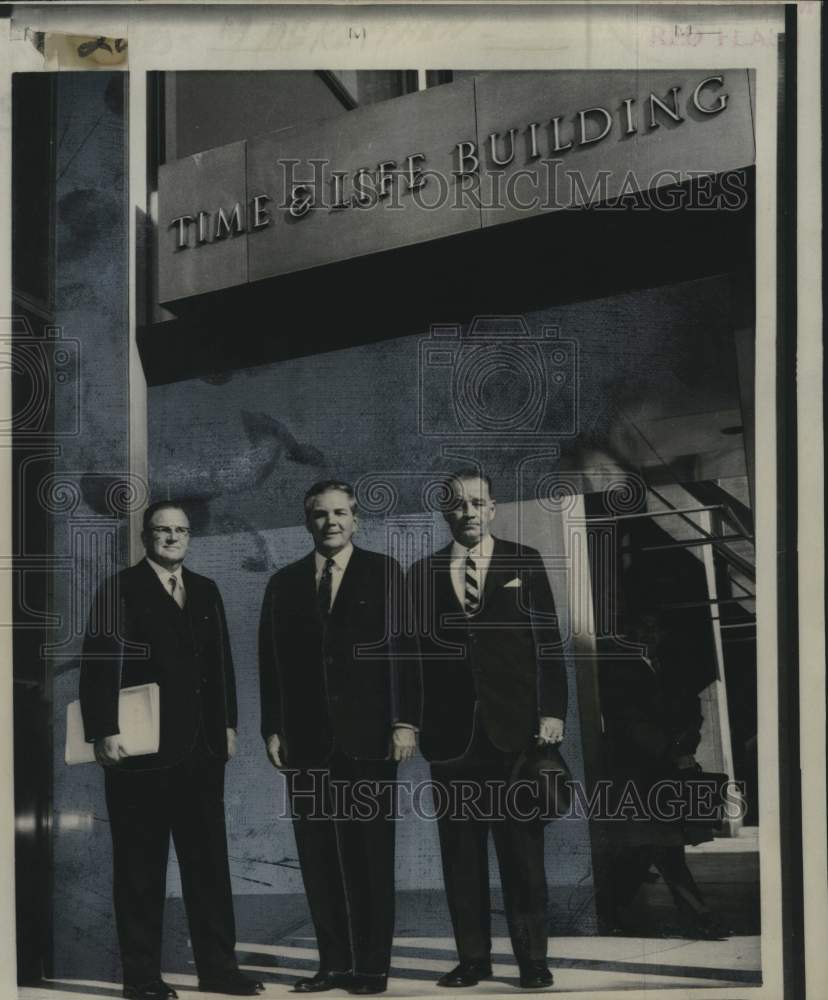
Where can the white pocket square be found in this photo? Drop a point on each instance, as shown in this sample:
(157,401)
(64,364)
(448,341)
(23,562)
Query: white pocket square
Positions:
(515,582)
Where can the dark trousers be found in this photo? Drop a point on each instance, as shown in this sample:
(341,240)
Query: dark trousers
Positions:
(630,872)
(145,807)
(344,827)
(464,839)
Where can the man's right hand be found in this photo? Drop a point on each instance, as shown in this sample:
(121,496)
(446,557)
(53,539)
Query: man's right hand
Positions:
(110,751)
(274,750)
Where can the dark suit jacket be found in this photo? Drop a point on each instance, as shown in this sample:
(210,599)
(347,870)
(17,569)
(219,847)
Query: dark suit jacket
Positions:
(651,715)
(317,693)
(187,652)
(504,664)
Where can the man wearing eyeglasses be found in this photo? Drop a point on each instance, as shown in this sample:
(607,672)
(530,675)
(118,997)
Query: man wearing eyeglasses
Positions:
(159,622)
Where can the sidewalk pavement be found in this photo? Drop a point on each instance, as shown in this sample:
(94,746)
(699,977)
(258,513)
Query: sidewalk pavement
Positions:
(581,965)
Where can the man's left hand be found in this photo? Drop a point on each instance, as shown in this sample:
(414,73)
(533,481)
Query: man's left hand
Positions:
(231,743)
(403,743)
(551,730)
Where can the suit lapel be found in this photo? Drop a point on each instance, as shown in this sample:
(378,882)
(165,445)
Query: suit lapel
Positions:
(348,585)
(306,594)
(155,590)
(446,600)
(158,601)
(495,573)
(194,596)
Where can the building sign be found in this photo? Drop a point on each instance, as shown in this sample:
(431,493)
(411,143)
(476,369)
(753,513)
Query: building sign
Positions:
(479,152)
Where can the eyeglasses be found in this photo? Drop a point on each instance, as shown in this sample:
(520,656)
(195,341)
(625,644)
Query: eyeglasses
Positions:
(163,529)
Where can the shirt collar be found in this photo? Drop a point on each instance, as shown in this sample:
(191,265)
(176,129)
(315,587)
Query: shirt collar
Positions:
(483,549)
(341,559)
(165,574)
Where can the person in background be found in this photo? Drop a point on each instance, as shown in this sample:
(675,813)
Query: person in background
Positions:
(652,722)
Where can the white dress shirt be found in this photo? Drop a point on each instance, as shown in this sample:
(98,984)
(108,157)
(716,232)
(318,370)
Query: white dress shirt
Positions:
(164,576)
(482,555)
(340,564)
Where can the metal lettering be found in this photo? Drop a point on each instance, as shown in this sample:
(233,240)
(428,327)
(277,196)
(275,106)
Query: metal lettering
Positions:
(182,222)
(601,135)
(415,174)
(385,177)
(556,131)
(203,233)
(260,214)
(467,153)
(339,191)
(533,138)
(630,129)
(493,147)
(225,226)
(363,188)
(721,100)
(301,200)
(671,112)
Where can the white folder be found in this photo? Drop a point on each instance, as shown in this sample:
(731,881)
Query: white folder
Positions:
(139,720)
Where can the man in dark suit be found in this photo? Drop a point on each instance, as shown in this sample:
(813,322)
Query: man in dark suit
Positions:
(494,683)
(158,622)
(336,709)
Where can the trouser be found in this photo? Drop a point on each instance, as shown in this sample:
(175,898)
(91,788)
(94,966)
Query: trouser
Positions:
(145,807)
(630,871)
(464,835)
(344,827)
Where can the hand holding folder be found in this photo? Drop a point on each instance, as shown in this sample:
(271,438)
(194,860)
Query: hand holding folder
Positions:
(139,722)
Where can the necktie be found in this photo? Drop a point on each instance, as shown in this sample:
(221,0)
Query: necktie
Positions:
(176,592)
(472,588)
(324,592)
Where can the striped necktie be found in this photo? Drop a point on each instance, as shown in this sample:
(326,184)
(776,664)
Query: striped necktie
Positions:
(471,603)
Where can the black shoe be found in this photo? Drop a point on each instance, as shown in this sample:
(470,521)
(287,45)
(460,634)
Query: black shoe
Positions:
(467,974)
(234,984)
(535,975)
(323,981)
(156,989)
(363,986)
